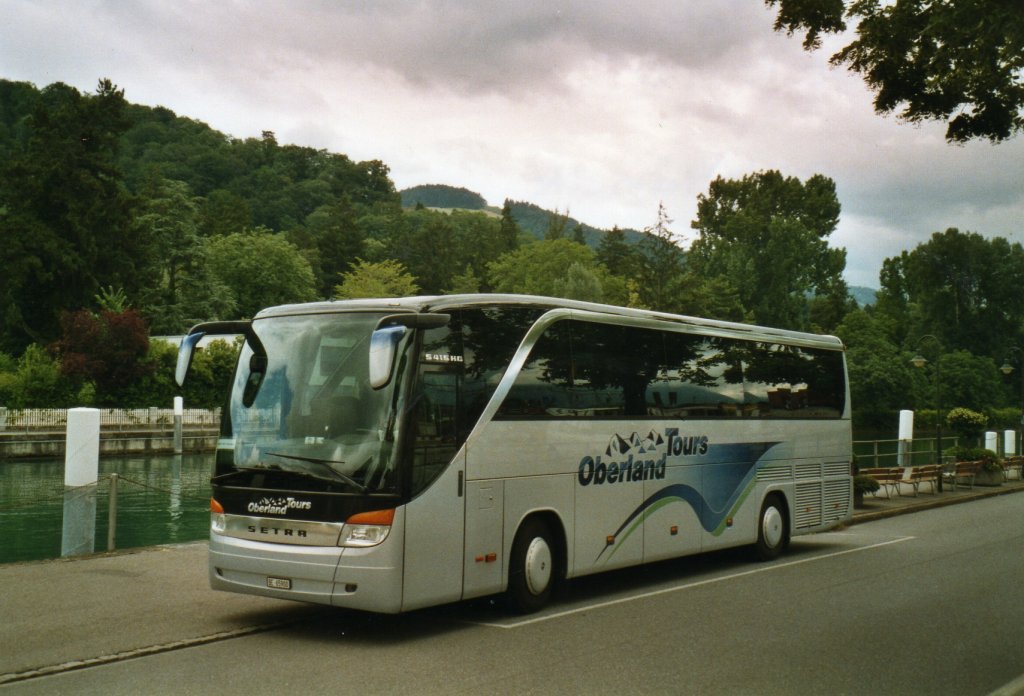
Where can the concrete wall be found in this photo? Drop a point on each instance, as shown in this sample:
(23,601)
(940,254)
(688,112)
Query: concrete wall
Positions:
(155,441)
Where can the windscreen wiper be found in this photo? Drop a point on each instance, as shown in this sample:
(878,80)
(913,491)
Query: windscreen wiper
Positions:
(236,471)
(335,475)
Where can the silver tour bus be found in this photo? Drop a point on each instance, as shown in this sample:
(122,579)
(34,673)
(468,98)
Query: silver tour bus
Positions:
(392,454)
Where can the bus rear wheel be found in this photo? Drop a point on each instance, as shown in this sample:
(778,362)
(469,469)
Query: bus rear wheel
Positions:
(772,529)
(532,572)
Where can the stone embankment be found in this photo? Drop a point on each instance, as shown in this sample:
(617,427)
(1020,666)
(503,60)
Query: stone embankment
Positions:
(41,433)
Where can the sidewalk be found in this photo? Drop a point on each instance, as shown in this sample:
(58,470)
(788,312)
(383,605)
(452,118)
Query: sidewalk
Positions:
(878,506)
(67,614)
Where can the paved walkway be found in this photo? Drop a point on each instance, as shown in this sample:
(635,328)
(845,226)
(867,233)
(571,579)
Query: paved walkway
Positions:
(66,614)
(878,506)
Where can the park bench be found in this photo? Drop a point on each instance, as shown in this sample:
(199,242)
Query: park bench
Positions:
(963,471)
(917,475)
(887,477)
(1011,463)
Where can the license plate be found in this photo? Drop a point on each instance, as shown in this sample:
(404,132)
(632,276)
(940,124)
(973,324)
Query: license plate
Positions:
(279,583)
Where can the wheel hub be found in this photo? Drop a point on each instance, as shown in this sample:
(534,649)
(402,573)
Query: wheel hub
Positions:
(538,566)
(772,527)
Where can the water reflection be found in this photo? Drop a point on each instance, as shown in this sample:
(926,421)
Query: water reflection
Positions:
(161,499)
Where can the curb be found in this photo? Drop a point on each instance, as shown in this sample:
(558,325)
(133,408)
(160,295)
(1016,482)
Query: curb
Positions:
(872,515)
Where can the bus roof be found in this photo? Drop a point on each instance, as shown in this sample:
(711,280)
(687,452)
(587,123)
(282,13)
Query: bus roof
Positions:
(443,303)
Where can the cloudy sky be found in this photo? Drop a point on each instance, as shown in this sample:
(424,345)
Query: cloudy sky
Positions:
(599,108)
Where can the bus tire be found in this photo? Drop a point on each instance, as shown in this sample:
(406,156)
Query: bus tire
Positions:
(532,567)
(772,529)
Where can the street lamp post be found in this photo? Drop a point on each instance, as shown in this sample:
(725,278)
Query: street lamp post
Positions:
(1006,369)
(919,361)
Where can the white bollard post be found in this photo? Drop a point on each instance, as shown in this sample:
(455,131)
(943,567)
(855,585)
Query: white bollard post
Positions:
(906,437)
(991,441)
(81,470)
(179,412)
(1010,449)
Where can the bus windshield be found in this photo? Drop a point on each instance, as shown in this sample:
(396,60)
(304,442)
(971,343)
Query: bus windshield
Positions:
(315,423)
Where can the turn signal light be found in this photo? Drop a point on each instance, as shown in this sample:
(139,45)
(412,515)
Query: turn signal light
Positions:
(218,523)
(385,517)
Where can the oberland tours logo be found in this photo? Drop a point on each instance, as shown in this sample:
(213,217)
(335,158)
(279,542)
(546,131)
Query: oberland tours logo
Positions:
(639,459)
(278,506)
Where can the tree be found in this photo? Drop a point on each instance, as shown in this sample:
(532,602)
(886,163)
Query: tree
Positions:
(106,349)
(880,373)
(556,268)
(768,235)
(945,60)
(384,279)
(617,255)
(465,282)
(261,269)
(509,232)
(970,381)
(558,224)
(168,216)
(962,288)
(662,266)
(424,243)
(339,241)
(223,212)
(65,215)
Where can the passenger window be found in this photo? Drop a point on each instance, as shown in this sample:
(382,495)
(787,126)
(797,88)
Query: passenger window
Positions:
(791,382)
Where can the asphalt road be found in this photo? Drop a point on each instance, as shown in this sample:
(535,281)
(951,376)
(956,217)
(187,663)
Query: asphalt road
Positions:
(927,603)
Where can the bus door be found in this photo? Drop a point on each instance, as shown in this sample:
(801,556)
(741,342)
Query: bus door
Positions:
(435,517)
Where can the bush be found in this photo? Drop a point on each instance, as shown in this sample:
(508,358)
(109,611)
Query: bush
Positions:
(965,422)
(36,383)
(1006,418)
(862,483)
(975,454)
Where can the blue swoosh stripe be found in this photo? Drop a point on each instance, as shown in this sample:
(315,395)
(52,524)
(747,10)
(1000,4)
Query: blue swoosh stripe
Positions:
(724,489)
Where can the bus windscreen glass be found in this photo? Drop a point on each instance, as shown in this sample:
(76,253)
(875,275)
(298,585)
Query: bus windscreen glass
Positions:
(315,424)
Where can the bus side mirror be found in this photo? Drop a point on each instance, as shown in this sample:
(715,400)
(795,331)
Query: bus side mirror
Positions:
(186,351)
(384,341)
(383,348)
(257,371)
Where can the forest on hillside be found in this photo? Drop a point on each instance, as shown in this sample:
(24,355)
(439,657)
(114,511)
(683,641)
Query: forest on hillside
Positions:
(119,222)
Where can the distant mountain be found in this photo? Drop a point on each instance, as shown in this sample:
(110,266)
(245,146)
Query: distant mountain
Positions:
(531,218)
(863,296)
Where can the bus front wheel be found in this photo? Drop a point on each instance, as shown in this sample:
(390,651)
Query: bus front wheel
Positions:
(772,529)
(531,576)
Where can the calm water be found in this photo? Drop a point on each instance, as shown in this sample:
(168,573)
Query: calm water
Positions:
(160,499)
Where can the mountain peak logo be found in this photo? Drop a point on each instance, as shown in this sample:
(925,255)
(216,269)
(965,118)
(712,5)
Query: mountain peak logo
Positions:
(635,444)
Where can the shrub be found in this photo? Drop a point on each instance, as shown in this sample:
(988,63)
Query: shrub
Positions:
(974,454)
(965,422)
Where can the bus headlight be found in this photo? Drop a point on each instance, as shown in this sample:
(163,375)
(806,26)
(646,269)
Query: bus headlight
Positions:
(367,528)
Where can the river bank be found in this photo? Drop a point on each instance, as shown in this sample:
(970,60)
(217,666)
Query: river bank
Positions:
(41,433)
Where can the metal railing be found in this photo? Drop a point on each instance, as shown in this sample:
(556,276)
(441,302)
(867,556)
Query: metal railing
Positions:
(886,453)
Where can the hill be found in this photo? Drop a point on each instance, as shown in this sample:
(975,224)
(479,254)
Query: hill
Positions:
(531,218)
(440,196)
(863,296)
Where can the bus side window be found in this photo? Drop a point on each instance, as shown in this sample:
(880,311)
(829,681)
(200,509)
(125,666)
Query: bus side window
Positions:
(702,380)
(793,382)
